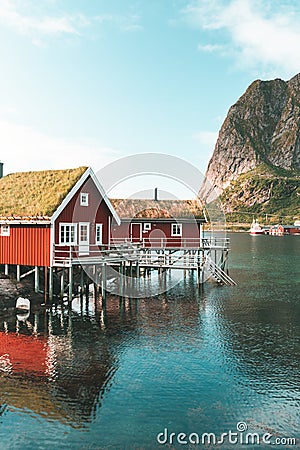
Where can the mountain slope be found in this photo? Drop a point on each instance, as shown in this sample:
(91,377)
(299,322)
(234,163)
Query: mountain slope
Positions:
(262,127)
(263,190)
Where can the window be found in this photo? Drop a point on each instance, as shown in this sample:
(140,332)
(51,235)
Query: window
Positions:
(67,233)
(176,229)
(99,227)
(84,199)
(147,226)
(5,230)
(83,232)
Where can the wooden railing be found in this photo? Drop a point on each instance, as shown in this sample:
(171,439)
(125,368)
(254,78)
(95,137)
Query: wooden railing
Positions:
(175,242)
(124,249)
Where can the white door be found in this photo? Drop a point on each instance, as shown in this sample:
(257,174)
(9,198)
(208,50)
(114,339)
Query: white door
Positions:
(84,238)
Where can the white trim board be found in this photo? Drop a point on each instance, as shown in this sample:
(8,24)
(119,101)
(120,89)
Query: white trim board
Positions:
(76,187)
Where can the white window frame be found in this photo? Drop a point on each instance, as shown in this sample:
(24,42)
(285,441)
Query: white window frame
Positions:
(87,226)
(5,230)
(174,228)
(99,226)
(64,225)
(147,226)
(84,199)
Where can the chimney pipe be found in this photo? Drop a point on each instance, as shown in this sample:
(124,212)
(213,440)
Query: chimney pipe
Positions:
(1,169)
(156,194)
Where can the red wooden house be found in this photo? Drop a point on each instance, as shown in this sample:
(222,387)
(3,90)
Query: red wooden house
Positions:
(157,224)
(63,218)
(43,214)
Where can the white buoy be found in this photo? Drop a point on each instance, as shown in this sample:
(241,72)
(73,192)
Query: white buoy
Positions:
(22,304)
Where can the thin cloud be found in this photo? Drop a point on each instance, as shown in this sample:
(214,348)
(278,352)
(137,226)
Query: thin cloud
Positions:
(260,33)
(12,17)
(32,22)
(211,48)
(130,22)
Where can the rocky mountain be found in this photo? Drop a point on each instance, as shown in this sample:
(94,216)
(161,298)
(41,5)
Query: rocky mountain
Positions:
(261,128)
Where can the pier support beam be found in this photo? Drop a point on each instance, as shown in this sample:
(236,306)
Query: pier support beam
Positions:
(36,279)
(50,283)
(62,283)
(70,283)
(103,282)
(81,282)
(18,273)
(45,283)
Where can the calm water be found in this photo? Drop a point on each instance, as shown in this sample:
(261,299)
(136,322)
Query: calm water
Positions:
(190,361)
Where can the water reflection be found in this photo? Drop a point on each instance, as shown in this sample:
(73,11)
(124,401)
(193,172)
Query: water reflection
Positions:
(58,363)
(190,359)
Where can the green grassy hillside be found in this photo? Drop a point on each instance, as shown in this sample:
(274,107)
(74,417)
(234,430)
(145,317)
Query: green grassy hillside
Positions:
(270,194)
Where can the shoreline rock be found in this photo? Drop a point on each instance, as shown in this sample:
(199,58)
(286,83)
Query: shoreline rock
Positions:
(11,289)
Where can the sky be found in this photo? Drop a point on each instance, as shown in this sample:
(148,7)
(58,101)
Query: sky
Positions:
(88,82)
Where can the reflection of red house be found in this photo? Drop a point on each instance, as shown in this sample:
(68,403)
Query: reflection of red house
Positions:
(23,354)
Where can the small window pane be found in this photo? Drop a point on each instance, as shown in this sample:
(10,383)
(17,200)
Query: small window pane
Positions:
(99,233)
(176,229)
(84,199)
(5,230)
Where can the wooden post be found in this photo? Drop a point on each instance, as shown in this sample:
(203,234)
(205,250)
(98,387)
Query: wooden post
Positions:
(81,282)
(201,235)
(70,283)
(36,279)
(45,283)
(62,283)
(18,273)
(130,270)
(198,275)
(6,269)
(95,291)
(103,282)
(121,280)
(50,283)
(87,287)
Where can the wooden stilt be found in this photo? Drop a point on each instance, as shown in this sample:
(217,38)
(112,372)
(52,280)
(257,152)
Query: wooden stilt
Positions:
(6,269)
(70,283)
(45,283)
(36,279)
(87,287)
(103,282)
(81,282)
(50,283)
(62,283)
(18,272)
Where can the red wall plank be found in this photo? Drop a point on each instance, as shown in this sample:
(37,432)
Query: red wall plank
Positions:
(27,245)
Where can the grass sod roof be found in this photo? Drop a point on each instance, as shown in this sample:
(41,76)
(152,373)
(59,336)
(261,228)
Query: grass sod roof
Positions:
(161,209)
(24,194)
